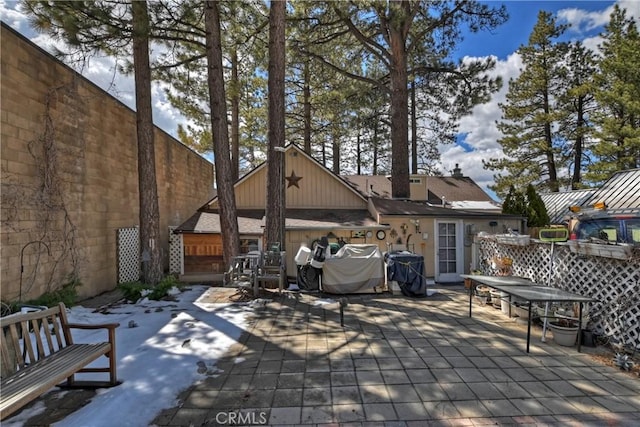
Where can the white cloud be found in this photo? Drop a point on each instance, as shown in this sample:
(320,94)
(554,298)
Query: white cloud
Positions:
(582,20)
(481,131)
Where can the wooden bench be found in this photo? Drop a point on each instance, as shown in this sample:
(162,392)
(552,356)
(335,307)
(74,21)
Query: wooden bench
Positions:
(38,353)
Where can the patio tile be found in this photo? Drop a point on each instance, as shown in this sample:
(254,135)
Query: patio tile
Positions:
(441,410)
(365,364)
(369,377)
(471,375)
(345,394)
(287,415)
(317,415)
(588,387)
(290,380)
(431,392)
(403,393)
(530,406)
(615,404)
(460,391)
(379,412)
(446,375)
(374,393)
(395,377)
(471,408)
(316,379)
(316,396)
(512,390)
(265,381)
(486,391)
(348,413)
(408,411)
(501,407)
(343,378)
(389,363)
(287,397)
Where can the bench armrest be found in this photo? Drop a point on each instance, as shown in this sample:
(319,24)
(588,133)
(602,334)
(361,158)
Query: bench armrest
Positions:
(111,330)
(90,326)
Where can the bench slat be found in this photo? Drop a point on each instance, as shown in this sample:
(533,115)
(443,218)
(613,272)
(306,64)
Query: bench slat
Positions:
(32,381)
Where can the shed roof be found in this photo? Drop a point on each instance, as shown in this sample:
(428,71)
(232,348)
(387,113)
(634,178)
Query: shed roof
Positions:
(411,208)
(621,191)
(557,204)
(252,221)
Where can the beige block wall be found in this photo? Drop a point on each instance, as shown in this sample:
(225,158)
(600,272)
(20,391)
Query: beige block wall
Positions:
(69,176)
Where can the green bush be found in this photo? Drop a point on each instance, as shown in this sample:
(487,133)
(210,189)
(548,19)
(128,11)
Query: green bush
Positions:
(133,291)
(68,294)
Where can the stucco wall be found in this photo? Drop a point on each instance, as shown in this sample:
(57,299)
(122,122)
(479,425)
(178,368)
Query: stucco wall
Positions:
(69,176)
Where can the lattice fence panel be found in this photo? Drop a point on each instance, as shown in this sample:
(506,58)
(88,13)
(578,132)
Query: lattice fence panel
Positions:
(175,252)
(128,247)
(613,283)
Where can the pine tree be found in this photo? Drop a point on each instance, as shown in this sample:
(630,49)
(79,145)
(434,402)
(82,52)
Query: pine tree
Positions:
(113,27)
(531,111)
(537,215)
(618,96)
(391,33)
(514,203)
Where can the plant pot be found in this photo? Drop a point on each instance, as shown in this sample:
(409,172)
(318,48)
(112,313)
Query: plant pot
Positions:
(564,335)
(587,339)
(495,299)
(521,311)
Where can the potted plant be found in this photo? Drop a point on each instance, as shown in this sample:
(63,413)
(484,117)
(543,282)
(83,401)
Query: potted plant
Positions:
(565,331)
(483,293)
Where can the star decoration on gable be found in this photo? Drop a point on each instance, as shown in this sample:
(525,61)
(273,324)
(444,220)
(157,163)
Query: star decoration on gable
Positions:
(292,180)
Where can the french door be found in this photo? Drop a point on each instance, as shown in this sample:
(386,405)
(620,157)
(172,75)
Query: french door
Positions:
(449,251)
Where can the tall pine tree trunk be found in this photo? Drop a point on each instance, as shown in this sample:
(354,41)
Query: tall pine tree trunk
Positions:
(398,17)
(235,117)
(276,203)
(577,152)
(414,130)
(220,132)
(306,95)
(152,270)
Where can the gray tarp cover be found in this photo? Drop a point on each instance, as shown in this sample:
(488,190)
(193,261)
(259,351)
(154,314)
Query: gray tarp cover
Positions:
(354,269)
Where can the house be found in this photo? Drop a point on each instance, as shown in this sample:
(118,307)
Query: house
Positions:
(351,209)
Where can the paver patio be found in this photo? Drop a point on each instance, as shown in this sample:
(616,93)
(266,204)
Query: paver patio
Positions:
(402,361)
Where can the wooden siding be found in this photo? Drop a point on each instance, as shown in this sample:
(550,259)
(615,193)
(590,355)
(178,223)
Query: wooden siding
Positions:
(317,188)
(202,244)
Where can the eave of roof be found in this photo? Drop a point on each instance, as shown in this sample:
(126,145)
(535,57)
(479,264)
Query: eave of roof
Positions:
(252,221)
(390,207)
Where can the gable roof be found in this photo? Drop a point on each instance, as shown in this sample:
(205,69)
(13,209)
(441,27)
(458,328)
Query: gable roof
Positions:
(451,188)
(293,149)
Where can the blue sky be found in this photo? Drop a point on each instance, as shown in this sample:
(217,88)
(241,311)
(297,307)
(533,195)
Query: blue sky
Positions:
(478,133)
(523,15)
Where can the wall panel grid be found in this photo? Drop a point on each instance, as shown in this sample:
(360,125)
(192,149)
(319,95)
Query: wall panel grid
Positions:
(614,284)
(175,252)
(128,247)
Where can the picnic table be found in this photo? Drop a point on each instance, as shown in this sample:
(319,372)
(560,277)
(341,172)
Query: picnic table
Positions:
(529,291)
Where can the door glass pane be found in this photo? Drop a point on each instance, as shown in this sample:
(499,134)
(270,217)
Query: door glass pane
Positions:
(447,248)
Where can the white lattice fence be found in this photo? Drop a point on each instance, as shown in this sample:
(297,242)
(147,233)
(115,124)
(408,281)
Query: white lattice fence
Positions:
(613,283)
(128,247)
(175,252)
